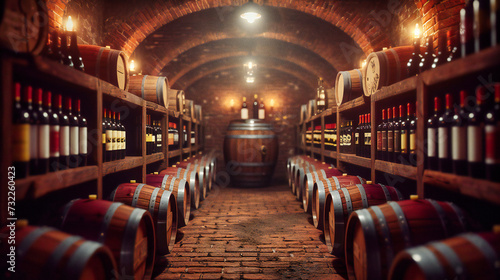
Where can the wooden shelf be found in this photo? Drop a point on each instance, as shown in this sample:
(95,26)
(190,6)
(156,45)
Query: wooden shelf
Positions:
(353,159)
(357,102)
(174,114)
(477,188)
(37,186)
(404,86)
(154,158)
(397,169)
(316,150)
(185,118)
(330,154)
(186,150)
(307,148)
(156,107)
(470,65)
(111,90)
(174,153)
(122,164)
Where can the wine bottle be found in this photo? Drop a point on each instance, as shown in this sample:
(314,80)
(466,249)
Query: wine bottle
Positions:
(349,138)
(74,136)
(432,137)
(475,137)
(442,54)
(244,109)
(459,138)
(405,137)
(380,129)
(21,136)
(413,139)
(55,130)
(481,25)
(76,58)
(123,138)
(341,138)
(109,138)
(495,22)
(357,136)
(467,29)
(82,127)
(413,63)
(159,138)
(104,129)
(65,55)
(320,97)
(317,136)
(385,150)
(148,136)
(64,140)
(428,57)
(176,136)
(255,107)
(154,131)
(444,140)
(390,135)
(397,135)
(43,124)
(170,136)
(193,136)
(114,139)
(55,50)
(262,110)
(185,137)
(33,115)
(453,47)
(368,136)
(492,131)
(335,137)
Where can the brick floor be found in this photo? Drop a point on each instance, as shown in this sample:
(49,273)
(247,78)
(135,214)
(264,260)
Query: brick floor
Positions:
(249,234)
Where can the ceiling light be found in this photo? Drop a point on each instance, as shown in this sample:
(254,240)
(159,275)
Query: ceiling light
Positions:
(250,12)
(250,80)
(251,17)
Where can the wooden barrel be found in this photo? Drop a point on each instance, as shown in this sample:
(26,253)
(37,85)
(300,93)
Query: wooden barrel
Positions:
(198,114)
(467,256)
(251,152)
(23,26)
(176,100)
(385,68)
(193,179)
(376,234)
(179,188)
(106,64)
(202,175)
(150,88)
(311,108)
(348,86)
(300,161)
(162,206)
(308,184)
(341,203)
(322,188)
(189,110)
(127,231)
(47,253)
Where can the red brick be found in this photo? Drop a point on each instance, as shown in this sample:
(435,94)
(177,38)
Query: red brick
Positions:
(230,270)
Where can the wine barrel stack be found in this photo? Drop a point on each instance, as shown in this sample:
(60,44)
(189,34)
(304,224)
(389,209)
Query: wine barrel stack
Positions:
(380,234)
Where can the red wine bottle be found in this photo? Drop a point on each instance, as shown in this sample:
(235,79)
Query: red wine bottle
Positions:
(482,25)
(55,50)
(475,137)
(159,137)
(109,138)
(453,47)
(397,134)
(43,135)
(467,29)
(76,58)
(65,54)
(114,139)
(357,136)
(54,133)
(104,129)
(390,134)
(405,137)
(459,138)
(255,107)
(74,135)
(428,57)
(64,140)
(176,136)
(123,140)
(413,63)
(495,22)
(335,136)
(432,137)
(413,139)
(442,53)
(21,136)
(185,137)
(444,140)
(492,131)
(380,144)
(28,106)
(368,136)
(82,126)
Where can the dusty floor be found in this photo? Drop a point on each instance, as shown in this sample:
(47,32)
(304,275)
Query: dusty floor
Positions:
(250,234)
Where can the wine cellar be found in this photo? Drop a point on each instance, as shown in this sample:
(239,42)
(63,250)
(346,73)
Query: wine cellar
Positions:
(264,139)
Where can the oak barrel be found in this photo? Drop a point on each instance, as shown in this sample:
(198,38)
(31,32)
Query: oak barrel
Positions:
(466,256)
(127,231)
(47,253)
(193,179)
(160,203)
(150,88)
(308,184)
(24,26)
(348,86)
(176,100)
(106,64)
(180,189)
(341,203)
(203,175)
(189,110)
(251,152)
(376,234)
(322,188)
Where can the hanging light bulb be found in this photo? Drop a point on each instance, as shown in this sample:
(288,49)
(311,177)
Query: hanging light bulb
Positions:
(132,65)
(250,12)
(417,31)
(250,80)
(69,24)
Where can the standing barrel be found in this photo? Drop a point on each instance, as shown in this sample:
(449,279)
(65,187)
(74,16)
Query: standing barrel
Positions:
(23,25)
(150,88)
(376,234)
(180,188)
(322,188)
(127,231)
(106,64)
(341,203)
(308,184)
(161,205)
(251,152)
(467,256)
(47,253)
(348,86)
(193,179)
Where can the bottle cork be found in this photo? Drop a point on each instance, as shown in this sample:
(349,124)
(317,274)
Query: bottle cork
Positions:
(369,182)
(323,162)
(155,173)
(413,197)
(21,223)
(133,181)
(92,196)
(496,229)
(329,167)
(344,174)
(175,165)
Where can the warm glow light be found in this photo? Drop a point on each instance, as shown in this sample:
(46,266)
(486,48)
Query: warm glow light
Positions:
(251,17)
(132,65)
(250,65)
(272,102)
(69,24)
(363,63)
(232,103)
(250,80)
(417,31)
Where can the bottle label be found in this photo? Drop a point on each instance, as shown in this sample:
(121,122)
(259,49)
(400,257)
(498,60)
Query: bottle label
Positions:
(368,138)
(458,144)
(492,142)
(83,140)
(170,139)
(33,141)
(153,138)
(404,142)
(74,138)
(384,141)
(390,141)
(397,141)
(193,140)
(104,138)
(124,145)
(64,148)
(474,144)
(443,142)
(431,142)
(44,141)
(347,139)
(114,140)
(379,140)
(335,139)
(54,140)
(21,142)
(244,113)
(176,137)
(262,114)
(109,140)
(356,137)
(413,142)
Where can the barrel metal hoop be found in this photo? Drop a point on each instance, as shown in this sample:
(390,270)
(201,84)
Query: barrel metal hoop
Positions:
(30,239)
(403,223)
(50,266)
(164,181)
(179,172)
(428,263)
(386,192)
(322,171)
(161,221)
(372,247)
(347,81)
(364,199)
(137,192)
(330,188)
(172,183)
(452,258)
(348,201)
(249,128)
(337,182)
(106,220)
(80,258)
(460,215)
(142,85)
(98,63)
(254,164)
(361,180)
(340,223)
(442,216)
(113,194)
(270,136)
(152,201)
(128,242)
(485,248)
(389,252)
(159,90)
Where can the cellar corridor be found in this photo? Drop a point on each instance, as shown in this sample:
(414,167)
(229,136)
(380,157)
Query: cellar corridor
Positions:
(249,233)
